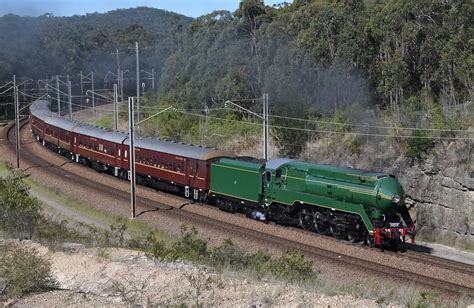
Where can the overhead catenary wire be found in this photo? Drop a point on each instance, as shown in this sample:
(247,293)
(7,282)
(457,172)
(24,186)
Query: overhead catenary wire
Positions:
(32,96)
(367,126)
(55,90)
(330,131)
(151,108)
(97,108)
(326,131)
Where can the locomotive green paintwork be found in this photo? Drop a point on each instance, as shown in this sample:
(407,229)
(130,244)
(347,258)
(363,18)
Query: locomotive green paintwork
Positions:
(372,190)
(237,179)
(294,183)
(359,192)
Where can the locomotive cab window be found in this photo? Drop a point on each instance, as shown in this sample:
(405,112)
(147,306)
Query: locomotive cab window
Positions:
(278,173)
(268,176)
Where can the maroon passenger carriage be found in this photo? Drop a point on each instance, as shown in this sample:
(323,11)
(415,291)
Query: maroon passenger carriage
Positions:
(52,131)
(164,165)
(175,167)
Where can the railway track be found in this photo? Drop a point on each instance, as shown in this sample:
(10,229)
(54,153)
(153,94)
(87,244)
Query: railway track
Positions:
(410,254)
(439,261)
(232,229)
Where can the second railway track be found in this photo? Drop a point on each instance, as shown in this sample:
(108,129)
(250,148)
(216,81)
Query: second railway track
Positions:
(258,236)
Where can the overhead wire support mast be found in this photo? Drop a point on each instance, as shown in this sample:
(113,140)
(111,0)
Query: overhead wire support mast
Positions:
(115,107)
(17,122)
(152,77)
(93,91)
(138,82)
(82,84)
(264,118)
(131,124)
(131,136)
(57,96)
(121,87)
(105,98)
(265,126)
(91,79)
(119,74)
(70,100)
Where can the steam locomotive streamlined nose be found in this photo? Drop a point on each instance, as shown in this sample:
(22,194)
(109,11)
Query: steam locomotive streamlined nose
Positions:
(389,194)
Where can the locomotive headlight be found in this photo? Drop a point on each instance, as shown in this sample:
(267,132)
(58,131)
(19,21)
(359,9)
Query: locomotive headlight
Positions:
(396,199)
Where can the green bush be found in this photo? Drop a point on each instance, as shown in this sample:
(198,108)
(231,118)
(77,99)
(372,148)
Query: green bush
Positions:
(117,231)
(20,214)
(428,299)
(353,146)
(293,267)
(23,271)
(227,255)
(21,217)
(419,146)
(189,247)
(153,247)
(52,233)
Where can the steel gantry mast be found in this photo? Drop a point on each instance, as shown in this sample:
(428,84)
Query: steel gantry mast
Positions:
(138,82)
(17,122)
(264,117)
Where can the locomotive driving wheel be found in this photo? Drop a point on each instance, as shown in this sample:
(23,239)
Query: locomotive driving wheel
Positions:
(351,237)
(307,218)
(370,240)
(337,232)
(320,225)
(355,238)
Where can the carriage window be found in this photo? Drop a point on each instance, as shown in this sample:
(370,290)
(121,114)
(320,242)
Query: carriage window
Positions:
(125,154)
(268,176)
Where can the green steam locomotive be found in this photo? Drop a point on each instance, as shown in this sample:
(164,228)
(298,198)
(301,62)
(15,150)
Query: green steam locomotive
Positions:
(346,203)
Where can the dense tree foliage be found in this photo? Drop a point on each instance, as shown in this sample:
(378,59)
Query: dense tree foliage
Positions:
(48,45)
(313,57)
(316,57)
(327,53)
(19,213)
(322,53)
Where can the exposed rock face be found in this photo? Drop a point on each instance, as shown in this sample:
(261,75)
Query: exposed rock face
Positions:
(440,188)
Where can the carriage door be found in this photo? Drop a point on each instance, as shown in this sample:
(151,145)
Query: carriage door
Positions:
(193,167)
(192,179)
